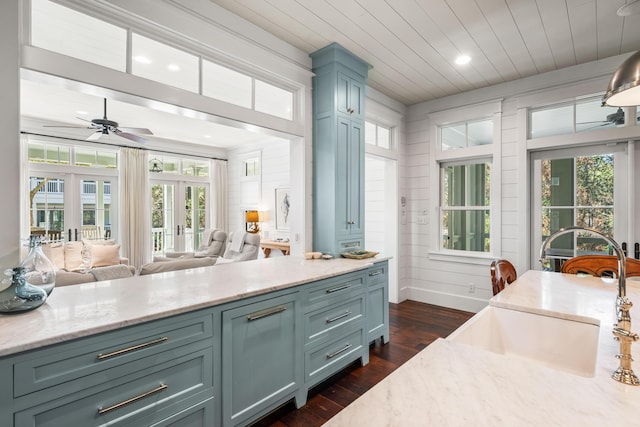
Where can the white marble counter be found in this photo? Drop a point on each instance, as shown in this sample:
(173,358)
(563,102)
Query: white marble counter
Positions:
(81,310)
(451,384)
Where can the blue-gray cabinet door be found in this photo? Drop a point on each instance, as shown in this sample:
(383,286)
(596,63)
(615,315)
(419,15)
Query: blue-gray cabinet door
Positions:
(349,179)
(260,356)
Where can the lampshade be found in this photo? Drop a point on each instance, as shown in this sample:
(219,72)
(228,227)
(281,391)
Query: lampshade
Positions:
(624,87)
(252,216)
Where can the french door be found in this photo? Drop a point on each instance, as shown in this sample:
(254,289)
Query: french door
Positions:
(72,206)
(585,187)
(179,214)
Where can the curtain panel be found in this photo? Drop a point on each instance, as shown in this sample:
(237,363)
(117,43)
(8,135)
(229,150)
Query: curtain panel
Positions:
(135,206)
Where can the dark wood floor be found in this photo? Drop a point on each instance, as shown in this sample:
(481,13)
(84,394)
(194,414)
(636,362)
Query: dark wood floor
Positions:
(412,325)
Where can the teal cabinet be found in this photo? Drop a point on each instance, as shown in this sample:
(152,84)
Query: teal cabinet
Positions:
(260,356)
(378,302)
(226,365)
(338,150)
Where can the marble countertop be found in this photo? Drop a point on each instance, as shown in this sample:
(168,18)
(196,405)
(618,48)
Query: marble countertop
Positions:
(80,310)
(453,384)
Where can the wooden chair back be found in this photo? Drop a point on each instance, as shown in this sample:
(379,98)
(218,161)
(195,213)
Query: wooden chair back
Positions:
(503,273)
(599,266)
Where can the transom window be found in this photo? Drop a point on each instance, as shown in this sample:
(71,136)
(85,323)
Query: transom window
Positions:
(378,135)
(68,32)
(468,134)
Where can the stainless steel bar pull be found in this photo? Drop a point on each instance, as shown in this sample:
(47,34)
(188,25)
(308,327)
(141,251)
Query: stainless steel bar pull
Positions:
(264,313)
(102,411)
(132,348)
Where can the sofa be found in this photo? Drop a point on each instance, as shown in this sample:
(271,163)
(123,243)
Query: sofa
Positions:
(87,261)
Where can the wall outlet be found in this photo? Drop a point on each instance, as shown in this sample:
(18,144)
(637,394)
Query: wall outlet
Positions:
(472,288)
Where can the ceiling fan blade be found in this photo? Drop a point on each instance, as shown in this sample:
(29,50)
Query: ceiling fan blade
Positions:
(597,121)
(143,131)
(68,127)
(94,136)
(130,136)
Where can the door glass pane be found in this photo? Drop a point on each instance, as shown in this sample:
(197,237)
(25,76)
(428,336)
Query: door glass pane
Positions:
(576,191)
(195,216)
(95,200)
(162,218)
(46,207)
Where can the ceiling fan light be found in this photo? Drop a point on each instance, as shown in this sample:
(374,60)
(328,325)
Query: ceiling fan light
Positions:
(624,87)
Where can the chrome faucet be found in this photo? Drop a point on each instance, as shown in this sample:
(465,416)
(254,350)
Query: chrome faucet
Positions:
(622,329)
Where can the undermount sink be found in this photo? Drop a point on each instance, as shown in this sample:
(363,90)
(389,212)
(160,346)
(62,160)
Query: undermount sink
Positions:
(565,345)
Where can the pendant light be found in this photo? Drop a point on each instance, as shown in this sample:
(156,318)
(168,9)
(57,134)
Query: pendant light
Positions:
(624,87)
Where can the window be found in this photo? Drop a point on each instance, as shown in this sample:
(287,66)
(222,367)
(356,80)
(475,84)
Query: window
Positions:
(273,100)
(165,64)
(465,207)
(378,135)
(464,194)
(63,30)
(179,166)
(578,116)
(251,167)
(225,84)
(468,134)
(71,190)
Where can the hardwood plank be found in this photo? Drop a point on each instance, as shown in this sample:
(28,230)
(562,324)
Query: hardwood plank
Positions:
(412,325)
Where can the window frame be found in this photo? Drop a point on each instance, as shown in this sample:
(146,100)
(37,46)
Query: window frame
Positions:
(490,153)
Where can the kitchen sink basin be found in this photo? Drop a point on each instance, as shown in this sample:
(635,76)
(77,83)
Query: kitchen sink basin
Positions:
(561,344)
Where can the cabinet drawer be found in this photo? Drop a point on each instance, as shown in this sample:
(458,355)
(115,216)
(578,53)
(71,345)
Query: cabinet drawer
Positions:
(352,244)
(153,394)
(377,274)
(329,291)
(320,324)
(63,363)
(330,358)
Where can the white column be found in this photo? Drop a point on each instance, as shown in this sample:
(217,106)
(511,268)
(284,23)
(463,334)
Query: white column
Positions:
(10,133)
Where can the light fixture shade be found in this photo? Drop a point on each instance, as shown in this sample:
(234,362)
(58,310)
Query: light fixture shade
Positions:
(252,216)
(624,87)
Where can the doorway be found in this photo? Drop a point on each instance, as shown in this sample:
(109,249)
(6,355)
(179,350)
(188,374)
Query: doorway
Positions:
(178,216)
(381,218)
(585,187)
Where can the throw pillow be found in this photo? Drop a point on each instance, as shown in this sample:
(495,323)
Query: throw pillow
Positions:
(55,253)
(105,255)
(76,257)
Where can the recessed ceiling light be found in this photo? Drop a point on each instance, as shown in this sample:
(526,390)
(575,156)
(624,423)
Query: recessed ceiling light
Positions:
(207,136)
(463,59)
(82,113)
(173,67)
(142,59)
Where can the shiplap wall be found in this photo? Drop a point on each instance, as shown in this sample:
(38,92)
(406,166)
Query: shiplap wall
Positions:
(275,172)
(444,282)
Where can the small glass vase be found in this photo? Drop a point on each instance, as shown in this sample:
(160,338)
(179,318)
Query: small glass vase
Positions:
(39,270)
(19,296)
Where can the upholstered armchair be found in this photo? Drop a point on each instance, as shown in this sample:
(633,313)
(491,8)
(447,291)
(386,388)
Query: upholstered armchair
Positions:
(247,250)
(212,246)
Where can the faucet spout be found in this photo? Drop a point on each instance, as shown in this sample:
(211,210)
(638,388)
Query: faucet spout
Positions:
(622,260)
(622,329)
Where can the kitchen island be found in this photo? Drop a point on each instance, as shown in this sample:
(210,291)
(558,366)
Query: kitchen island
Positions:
(219,345)
(454,384)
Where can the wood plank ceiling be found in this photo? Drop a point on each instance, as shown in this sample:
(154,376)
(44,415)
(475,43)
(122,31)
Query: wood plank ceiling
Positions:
(412,44)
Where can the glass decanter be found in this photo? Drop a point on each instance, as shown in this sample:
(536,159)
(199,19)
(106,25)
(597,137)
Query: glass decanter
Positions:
(19,296)
(38,269)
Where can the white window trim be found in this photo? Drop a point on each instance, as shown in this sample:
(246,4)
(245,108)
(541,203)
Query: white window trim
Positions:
(493,110)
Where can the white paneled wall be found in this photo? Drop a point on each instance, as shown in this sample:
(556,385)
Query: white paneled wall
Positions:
(432,278)
(259,194)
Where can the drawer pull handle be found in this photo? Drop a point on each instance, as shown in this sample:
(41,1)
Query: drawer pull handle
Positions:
(375,273)
(132,348)
(162,387)
(337,352)
(333,319)
(339,288)
(264,313)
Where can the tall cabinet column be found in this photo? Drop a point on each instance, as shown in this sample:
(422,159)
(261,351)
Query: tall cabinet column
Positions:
(338,150)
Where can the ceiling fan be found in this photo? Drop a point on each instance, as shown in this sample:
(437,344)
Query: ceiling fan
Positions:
(104,126)
(616,118)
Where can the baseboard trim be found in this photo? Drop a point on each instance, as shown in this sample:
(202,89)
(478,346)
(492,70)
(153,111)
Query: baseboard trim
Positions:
(442,299)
